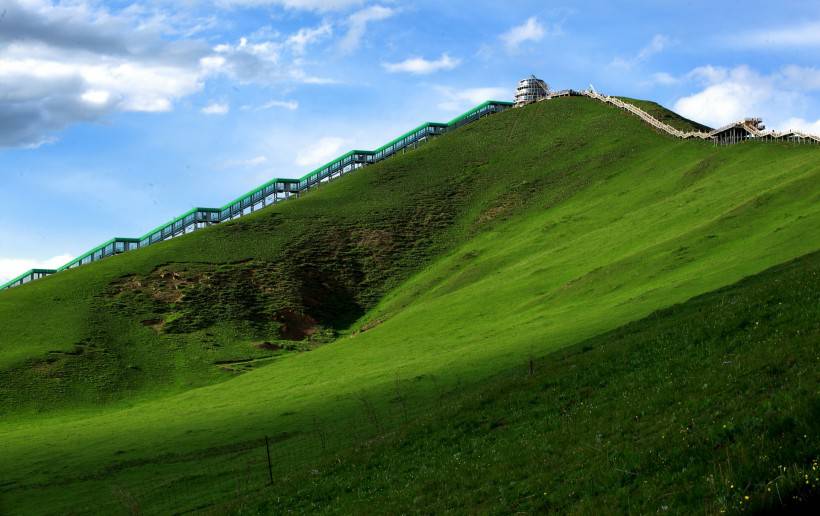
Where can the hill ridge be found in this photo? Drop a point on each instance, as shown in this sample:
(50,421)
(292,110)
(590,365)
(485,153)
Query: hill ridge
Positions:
(511,238)
(279,189)
(271,192)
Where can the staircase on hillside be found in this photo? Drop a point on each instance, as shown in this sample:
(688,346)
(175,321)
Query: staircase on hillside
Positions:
(529,90)
(737,132)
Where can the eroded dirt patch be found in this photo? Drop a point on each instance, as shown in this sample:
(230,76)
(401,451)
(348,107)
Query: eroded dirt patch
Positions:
(154,324)
(296,326)
(269,346)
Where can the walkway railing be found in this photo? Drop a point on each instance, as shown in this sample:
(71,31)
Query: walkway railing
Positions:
(635,110)
(272,192)
(750,125)
(279,189)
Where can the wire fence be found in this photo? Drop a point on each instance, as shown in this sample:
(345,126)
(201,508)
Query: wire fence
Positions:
(279,461)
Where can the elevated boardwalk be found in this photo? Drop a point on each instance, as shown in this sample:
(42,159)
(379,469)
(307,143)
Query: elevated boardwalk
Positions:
(280,189)
(272,192)
(748,129)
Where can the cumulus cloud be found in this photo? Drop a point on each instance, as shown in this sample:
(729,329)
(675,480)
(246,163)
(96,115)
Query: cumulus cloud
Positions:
(531,30)
(259,62)
(421,66)
(10,268)
(46,93)
(456,99)
(321,152)
(730,94)
(726,101)
(68,62)
(247,61)
(357,25)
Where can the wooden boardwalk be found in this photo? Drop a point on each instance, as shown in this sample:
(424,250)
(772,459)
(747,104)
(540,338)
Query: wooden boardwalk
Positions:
(736,132)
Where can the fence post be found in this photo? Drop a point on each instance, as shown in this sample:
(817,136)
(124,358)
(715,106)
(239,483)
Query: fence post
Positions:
(270,466)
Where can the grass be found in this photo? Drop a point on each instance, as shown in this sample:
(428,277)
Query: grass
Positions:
(709,406)
(519,235)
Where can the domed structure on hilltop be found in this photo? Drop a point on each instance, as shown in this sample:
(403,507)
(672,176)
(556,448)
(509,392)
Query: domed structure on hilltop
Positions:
(529,90)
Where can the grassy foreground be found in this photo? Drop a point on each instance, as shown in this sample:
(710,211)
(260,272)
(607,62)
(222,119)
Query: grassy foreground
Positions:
(520,235)
(711,406)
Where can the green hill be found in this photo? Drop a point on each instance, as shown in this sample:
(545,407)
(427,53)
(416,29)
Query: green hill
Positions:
(149,378)
(629,420)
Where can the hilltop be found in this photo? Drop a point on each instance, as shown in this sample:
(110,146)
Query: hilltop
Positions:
(518,236)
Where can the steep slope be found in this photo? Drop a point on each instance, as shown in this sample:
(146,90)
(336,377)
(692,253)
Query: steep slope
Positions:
(709,406)
(242,293)
(530,231)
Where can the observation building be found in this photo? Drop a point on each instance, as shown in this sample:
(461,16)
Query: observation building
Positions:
(529,90)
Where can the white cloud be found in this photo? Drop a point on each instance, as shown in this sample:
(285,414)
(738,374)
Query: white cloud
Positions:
(321,152)
(305,5)
(722,103)
(800,124)
(304,78)
(52,88)
(216,108)
(98,97)
(530,30)
(657,45)
(421,66)
(68,62)
(708,74)
(261,62)
(10,268)
(290,105)
(357,25)
(212,64)
(803,77)
(730,94)
(247,61)
(305,37)
(455,99)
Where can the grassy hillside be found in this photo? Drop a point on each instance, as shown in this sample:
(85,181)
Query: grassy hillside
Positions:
(241,295)
(521,234)
(710,406)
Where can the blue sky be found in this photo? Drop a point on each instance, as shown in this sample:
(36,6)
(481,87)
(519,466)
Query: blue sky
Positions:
(117,116)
